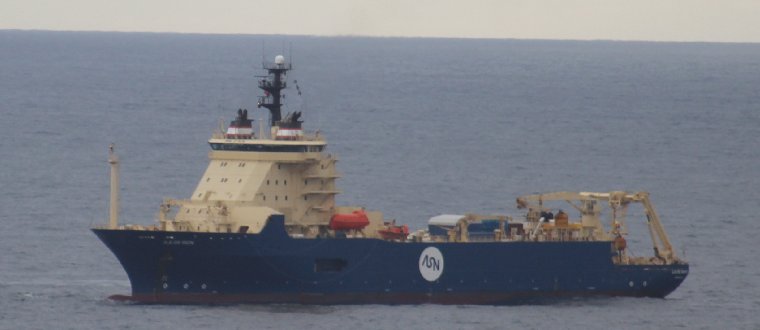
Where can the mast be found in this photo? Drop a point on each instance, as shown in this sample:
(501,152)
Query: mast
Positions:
(114,211)
(272,85)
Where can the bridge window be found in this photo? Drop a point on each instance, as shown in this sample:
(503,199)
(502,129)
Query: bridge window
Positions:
(259,147)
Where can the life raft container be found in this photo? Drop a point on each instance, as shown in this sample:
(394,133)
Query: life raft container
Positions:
(392,232)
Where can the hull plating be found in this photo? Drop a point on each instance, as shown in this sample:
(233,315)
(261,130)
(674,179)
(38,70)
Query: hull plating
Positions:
(271,267)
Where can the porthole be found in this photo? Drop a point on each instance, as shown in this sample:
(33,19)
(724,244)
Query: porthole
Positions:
(267,182)
(275,197)
(285,182)
(286,197)
(276,182)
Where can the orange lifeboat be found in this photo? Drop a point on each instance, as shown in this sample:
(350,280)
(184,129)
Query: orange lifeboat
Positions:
(349,221)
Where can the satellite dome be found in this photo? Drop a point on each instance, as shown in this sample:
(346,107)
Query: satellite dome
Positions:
(279,59)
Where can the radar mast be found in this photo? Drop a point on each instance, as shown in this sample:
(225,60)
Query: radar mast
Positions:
(272,85)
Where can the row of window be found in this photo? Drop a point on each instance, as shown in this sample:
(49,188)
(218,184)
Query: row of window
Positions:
(276,182)
(224,164)
(199,211)
(224,180)
(263,197)
(265,148)
(276,197)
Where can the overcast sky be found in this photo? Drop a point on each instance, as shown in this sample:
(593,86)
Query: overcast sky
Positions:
(660,20)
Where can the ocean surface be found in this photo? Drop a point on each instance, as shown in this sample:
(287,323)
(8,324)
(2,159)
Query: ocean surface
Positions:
(421,126)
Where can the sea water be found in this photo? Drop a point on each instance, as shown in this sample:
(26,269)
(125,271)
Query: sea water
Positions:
(421,127)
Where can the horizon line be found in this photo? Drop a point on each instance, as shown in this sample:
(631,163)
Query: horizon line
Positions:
(383,36)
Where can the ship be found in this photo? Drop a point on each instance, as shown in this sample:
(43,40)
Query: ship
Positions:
(263,227)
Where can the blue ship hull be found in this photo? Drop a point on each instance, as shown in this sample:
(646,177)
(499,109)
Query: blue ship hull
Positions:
(271,267)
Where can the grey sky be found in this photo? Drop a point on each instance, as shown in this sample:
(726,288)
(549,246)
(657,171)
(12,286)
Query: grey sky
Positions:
(660,20)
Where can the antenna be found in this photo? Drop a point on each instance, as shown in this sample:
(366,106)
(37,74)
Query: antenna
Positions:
(290,52)
(263,50)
